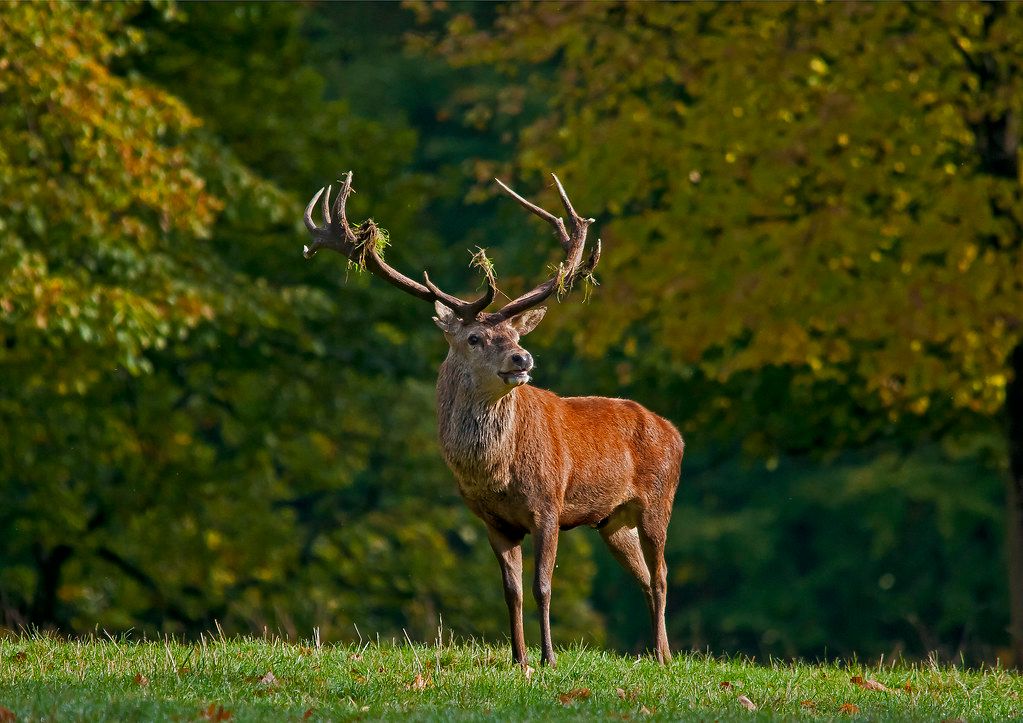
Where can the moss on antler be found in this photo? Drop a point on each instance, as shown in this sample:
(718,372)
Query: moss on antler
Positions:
(368,236)
(481,261)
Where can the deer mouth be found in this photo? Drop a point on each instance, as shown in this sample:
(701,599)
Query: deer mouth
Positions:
(515,376)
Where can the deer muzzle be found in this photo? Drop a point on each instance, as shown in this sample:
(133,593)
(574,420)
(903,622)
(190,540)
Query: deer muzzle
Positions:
(521,364)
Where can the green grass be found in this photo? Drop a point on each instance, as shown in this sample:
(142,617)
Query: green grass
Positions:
(119,680)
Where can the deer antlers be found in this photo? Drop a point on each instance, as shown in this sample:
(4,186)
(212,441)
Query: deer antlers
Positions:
(360,245)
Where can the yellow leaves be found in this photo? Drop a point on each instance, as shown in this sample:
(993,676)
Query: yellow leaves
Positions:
(817,65)
(419,683)
(743,700)
(215,712)
(573,695)
(869,684)
(969,255)
(213,539)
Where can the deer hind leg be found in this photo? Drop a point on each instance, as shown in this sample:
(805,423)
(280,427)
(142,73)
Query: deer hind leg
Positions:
(653,532)
(509,555)
(623,542)
(546,543)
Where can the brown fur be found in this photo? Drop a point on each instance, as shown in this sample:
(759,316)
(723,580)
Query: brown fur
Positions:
(529,461)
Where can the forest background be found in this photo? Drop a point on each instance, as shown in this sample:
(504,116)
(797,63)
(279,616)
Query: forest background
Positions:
(813,254)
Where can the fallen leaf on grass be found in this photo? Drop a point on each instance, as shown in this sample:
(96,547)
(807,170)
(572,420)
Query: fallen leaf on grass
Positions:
(308,714)
(356,657)
(216,713)
(869,684)
(747,703)
(21,656)
(627,694)
(646,711)
(808,704)
(141,680)
(849,708)
(725,685)
(269,679)
(7,715)
(419,682)
(907,687)
(574,694)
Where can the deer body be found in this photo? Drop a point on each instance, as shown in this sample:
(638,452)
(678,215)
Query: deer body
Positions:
(533,453)
(526,460)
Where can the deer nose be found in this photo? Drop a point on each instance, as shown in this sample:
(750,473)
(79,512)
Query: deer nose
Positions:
(522,360)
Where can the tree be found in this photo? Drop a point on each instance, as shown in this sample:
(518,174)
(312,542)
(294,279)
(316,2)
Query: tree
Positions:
(829,190)
(195,429)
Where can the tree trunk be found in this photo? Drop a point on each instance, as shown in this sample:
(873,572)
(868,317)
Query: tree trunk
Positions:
(1014,414)
(44,602)
(998,145)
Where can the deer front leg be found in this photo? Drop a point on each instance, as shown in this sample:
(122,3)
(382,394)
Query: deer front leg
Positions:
(509,555)
(546,551)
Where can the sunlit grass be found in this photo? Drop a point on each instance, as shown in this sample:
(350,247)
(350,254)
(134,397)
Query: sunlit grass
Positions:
(263,679)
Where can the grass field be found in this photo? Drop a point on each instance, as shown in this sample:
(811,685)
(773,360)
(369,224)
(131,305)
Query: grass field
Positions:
(256,679)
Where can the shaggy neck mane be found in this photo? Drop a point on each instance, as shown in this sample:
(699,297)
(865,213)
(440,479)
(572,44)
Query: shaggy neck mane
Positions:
(476,432)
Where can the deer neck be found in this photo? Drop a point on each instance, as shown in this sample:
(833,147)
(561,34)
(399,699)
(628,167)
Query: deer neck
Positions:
(477,432)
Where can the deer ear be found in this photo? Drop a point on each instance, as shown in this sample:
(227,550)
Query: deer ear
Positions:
(527,320)
(445,319)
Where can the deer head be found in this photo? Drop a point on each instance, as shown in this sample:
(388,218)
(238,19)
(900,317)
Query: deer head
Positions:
(488,352)
(485,344)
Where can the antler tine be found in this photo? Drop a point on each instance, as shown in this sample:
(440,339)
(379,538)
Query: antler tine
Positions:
(358,246)
(467,310)
(547,216)
(569,271)
(326,205)
(564,197)
(342,199)
(309,223)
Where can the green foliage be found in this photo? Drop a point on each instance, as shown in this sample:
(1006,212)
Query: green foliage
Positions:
(801,185)
(195,430)
(271,679)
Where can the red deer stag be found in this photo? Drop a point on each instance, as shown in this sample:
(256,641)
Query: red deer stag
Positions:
(527,460)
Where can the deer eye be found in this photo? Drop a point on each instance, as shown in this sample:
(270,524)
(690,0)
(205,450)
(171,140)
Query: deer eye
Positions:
(473,339)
